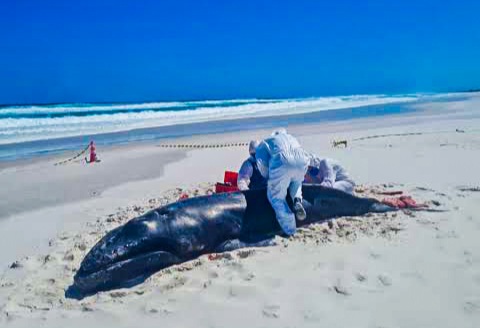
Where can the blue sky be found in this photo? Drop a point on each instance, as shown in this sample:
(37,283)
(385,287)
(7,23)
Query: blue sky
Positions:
(94,51)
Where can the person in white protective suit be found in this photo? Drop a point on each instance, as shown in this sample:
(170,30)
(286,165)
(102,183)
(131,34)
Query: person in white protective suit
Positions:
(329,173)
(283,162)
(249,176)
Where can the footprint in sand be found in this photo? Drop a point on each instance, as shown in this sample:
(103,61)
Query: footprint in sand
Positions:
(425,222)
(361,277)
(249,276)
(385,280)
(374,255)
(271,311)
(139,292)
(64,236)
(16,265)
(81,246)
(51,281)
(6,284)
(232,292)
(447,234)
(468,189)
(424,189)
(235,266)
(118,294)
(213,274)
(340,289)
(69,257)
(207,283)
(468,257)
(87,308)
(472,306)
(151,309)
(245,253)
(176,282)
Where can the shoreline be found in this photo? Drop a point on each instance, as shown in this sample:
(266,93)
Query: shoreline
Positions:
(47,147)
(415,115)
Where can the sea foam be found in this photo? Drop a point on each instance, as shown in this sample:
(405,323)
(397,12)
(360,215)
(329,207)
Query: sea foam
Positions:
(30,123)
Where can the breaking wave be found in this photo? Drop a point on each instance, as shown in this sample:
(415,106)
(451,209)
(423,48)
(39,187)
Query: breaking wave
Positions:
(39,122)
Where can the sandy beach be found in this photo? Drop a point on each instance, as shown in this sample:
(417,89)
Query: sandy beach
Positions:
(403,269)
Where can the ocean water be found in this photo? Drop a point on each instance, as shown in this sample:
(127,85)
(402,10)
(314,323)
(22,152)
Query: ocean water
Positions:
(38,129)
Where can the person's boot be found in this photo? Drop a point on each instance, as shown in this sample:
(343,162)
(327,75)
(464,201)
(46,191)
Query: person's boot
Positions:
(298,209)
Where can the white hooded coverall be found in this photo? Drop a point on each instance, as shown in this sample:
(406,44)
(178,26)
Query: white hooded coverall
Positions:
(332,175)
(283,162)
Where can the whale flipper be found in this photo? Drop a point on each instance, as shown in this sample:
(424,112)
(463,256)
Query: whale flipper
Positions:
(233,244)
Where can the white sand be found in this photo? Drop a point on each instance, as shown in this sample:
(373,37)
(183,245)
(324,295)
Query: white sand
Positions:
(405,270)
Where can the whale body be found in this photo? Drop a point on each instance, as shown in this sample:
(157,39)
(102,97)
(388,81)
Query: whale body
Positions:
(186,229)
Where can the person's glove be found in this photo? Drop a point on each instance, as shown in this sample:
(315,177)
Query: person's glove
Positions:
(327,183)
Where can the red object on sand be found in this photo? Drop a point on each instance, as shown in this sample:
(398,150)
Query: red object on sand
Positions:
(230,178)
(411,203)
(93,154)
(222,187)
(402,202)
(183,196)
(394,202)
(213,257)
(229,183)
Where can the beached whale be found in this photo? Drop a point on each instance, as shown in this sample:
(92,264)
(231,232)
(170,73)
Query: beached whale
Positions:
(181,231)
